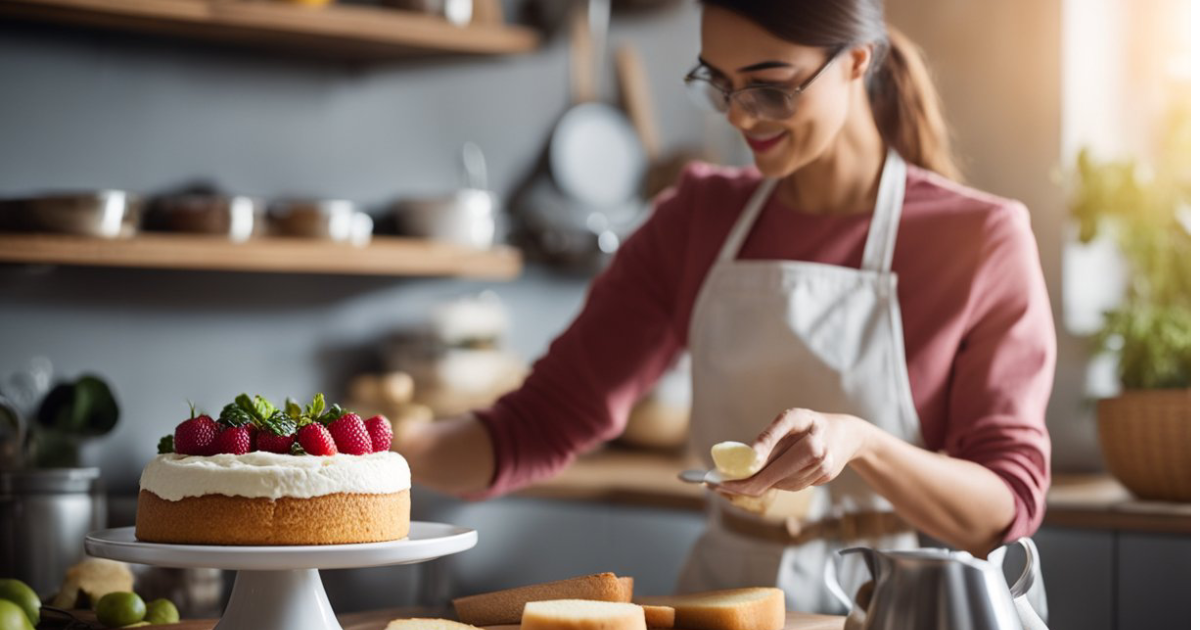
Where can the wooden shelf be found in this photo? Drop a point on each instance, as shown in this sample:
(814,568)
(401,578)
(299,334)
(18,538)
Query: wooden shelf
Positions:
(385,256)
(343,31)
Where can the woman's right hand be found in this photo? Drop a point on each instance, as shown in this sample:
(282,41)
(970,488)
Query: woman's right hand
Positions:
(453,455)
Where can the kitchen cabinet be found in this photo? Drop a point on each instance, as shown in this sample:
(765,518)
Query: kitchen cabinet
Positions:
(337,31)
(385,256)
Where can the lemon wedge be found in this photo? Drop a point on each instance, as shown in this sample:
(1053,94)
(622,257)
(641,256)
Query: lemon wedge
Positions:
(735,460)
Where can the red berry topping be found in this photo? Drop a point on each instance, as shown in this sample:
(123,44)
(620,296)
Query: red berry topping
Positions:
(316,440)
(380,429)
(271,443)
(197,436)
(234,441)
(351,435)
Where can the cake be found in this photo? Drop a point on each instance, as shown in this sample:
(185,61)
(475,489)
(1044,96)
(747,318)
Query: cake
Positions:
(263,476)
(582,614)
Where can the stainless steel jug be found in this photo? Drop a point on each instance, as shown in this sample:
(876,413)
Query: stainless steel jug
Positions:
(939,589)
(44,515)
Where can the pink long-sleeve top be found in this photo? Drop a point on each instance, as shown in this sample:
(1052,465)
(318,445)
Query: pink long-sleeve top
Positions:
(978,330)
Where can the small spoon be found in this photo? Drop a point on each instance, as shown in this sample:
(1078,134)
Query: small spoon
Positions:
(697,476)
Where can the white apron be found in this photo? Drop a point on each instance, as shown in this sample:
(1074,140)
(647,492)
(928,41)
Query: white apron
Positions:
(767,336)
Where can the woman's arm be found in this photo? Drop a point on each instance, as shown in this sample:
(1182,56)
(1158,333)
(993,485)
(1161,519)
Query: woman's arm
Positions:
(954,500)
(453,456)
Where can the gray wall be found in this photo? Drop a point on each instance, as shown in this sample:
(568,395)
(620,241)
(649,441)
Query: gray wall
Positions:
(90,109)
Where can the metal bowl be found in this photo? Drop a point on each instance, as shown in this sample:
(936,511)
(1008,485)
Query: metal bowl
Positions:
(237,216)
(466,217)
(329,219)
(100,213)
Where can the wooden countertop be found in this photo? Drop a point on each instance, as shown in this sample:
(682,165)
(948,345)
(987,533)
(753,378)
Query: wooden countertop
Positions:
(378,620)
(644,478)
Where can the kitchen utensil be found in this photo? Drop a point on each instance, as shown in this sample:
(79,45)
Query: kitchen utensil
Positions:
(457,12)
(13,429)
(278,588)
(662,170)
(202,210)
(100,213)
(939,589)
(44,514)
(329,219)
(465,217)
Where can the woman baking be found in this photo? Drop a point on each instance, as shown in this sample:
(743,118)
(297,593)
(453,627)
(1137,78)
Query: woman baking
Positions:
(870,326)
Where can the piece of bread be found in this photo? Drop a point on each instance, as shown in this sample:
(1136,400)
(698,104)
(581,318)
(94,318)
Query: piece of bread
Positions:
(659,616)
(582,614)
(85,583)
(507,606)
(734,609)
(427,624)
(627,584)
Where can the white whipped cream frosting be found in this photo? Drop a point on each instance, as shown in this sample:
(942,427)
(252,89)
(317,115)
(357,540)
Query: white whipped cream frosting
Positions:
(273,475)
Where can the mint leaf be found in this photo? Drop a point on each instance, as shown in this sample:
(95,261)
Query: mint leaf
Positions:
(264,408)
(293,409)
(166,444)
(234,416)
(245,404)
(297,449)
(278,423)
(317,406)
(331,414)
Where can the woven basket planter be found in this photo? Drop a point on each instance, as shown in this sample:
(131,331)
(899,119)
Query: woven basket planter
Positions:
(1146,437)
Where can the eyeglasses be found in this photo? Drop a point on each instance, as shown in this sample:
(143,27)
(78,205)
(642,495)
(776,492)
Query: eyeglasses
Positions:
(761,101)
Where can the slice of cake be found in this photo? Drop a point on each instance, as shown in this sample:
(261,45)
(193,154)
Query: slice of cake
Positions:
(263,476)
(734,609)
(582,614)
(507,606)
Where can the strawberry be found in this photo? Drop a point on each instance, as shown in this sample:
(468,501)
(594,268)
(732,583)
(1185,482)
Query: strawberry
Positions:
(316,440)
(351,435)
(196,436)
(254,431)
(271,443)
(380,429)
(234,441)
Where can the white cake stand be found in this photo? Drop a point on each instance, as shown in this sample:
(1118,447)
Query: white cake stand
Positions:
(278,588)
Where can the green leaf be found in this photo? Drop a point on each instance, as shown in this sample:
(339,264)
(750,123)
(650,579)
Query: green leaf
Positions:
(331,414)
(234,416)
(293,409)
(279,423)
(297,449)
(317,406)
(166,444)
(264,408)
(246,404)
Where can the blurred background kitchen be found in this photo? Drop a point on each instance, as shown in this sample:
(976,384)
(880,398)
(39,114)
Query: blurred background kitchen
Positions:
(388,203)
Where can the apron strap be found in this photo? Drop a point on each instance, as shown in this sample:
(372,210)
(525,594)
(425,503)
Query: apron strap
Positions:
(885,222)
(737,236)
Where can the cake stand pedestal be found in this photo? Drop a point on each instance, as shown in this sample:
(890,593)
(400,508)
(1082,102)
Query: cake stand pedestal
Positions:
(278,588)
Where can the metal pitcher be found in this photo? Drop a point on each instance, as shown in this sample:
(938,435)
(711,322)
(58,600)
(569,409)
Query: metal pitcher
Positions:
(939,589)
(44,515)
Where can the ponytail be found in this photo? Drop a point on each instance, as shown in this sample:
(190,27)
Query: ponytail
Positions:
(907,109)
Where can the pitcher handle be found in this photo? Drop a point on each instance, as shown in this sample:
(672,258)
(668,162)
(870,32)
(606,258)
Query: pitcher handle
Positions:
(1033,567)
(831,580)
(835,587)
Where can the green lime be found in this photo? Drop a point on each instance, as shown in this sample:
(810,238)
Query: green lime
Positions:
(120,609)
(20,594)
(12,617)
(162,611)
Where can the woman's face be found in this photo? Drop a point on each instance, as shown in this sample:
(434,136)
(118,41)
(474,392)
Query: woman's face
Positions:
(739,53)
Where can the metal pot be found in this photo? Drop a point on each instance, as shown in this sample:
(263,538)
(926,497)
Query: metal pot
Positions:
(44,515)
(101,213)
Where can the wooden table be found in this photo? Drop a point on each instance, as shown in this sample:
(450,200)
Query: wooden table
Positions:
(378,619)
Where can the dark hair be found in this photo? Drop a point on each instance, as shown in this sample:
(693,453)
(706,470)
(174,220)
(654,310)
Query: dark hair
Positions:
(905,104)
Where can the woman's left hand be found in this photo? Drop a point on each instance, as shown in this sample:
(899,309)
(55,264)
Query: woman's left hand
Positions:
(803,448)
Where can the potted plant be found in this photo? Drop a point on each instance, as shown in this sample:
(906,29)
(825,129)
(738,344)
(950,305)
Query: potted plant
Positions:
(1145,432)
